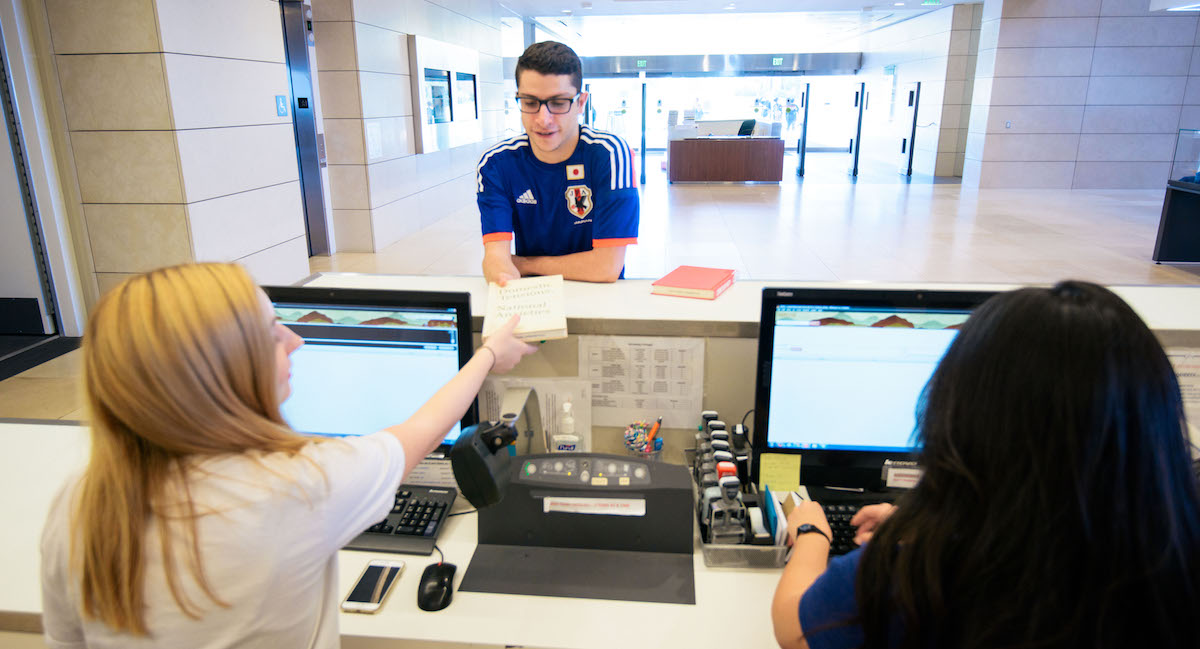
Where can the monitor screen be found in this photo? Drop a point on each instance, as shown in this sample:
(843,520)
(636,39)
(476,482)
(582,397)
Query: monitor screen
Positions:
(841,372)
(370,359)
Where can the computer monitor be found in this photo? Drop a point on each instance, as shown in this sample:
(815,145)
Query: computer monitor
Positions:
(841,371)
(370,358)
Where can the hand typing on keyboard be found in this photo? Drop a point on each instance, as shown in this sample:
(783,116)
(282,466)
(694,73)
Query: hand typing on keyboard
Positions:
(847,526)
(868,518)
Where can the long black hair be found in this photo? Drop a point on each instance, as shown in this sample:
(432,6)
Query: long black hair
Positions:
(1058,506)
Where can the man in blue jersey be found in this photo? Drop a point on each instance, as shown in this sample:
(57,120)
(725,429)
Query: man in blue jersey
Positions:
(564,194)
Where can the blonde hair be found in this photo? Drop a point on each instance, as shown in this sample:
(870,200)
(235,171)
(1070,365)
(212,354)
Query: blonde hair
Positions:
(178,364)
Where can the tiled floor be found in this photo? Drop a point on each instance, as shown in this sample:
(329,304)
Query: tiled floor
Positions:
(825,228)
(822,229)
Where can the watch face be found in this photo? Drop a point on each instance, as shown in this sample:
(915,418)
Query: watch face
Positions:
(809,527)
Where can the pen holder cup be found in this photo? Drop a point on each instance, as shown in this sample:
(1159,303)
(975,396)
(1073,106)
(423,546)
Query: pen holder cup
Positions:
(653,456)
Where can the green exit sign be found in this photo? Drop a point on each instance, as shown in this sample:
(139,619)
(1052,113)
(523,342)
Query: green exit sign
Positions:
(641,63)
(777,60)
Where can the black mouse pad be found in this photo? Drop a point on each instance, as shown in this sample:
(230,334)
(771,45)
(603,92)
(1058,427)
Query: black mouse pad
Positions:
(594,574)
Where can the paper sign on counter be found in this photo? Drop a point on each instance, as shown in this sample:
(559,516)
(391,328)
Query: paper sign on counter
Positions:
(643,377)
(603,506)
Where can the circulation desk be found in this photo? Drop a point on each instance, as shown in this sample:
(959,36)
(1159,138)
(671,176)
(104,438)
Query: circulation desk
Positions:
(725,159)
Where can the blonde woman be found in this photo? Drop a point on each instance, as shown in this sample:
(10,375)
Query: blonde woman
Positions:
(201,519)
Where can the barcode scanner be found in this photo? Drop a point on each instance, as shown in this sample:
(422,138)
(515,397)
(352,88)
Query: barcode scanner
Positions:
(480,470)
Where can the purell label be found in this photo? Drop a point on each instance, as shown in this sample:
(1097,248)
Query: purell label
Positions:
(565,447)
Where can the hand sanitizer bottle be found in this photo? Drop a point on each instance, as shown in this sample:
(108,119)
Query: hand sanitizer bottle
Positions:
(566,441)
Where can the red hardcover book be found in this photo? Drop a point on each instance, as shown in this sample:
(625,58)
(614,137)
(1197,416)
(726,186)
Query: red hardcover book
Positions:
(694,281)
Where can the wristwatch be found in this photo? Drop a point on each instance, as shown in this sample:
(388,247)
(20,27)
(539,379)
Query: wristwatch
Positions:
(808,528)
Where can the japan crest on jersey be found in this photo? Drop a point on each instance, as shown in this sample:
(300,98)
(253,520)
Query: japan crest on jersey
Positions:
(579,200)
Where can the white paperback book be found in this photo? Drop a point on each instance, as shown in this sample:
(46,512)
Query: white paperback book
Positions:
(539,302)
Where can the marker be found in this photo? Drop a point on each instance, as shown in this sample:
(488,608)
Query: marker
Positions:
(653,432)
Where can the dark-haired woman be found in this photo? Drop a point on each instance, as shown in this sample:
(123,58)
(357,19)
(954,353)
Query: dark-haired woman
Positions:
(1058,507)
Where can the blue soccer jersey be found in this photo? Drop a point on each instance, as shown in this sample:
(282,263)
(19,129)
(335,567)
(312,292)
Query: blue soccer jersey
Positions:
(589,201)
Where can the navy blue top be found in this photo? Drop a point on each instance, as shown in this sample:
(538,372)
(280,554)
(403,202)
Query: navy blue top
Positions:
(588,201)
(829,606)
(830,603)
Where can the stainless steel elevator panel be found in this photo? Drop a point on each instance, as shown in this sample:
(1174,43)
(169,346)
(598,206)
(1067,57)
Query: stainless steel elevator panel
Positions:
(27,304)
(310,146)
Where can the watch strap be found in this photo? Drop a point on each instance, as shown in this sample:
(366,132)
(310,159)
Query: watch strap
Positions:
(808,528)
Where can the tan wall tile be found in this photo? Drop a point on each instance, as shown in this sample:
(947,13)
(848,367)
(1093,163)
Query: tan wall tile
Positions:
(335,45)
(102,26)
(109,281)
(339,94)
(114,92)
(332,10)
(137,238)
(352,230)
(344,141)
(348,187)
(127,166)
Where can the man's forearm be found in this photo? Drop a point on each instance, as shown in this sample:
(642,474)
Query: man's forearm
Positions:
(596,265)
(498,262)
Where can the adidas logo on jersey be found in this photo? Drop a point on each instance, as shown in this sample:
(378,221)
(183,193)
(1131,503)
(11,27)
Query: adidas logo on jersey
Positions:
(527,198)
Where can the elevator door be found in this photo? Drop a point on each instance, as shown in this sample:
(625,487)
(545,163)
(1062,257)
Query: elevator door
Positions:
(310,147)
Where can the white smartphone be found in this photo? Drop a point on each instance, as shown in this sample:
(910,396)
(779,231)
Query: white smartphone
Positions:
(373,586)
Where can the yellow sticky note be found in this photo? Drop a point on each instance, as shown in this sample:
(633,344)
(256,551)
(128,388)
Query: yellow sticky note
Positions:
(779,471)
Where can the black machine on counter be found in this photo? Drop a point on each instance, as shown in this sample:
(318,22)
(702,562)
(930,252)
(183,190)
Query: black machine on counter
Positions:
(575,525)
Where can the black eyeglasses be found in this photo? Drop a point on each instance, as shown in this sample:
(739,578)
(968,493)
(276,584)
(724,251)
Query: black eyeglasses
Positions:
(556,105)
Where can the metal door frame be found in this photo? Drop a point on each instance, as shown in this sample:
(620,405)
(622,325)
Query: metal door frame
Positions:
(12,121)
(802,143)
(860,100)
(297,28)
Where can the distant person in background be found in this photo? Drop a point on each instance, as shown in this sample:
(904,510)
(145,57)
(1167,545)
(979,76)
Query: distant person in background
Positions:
(790,111)
(563,194)
(1058,506)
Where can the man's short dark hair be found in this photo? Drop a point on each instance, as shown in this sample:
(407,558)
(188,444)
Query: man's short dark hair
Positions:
(551,57)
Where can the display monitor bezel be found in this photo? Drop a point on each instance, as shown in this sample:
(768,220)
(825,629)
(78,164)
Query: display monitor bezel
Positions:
(855,469)
(391,300)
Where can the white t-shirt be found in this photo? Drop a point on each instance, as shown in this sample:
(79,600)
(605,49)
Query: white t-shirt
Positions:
(268,544)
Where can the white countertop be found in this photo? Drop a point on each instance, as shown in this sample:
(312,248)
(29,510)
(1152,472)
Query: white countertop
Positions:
(731,610)
(1162,307)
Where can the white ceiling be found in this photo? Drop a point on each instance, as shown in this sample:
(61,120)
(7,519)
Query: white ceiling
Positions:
(637,7)
(652,27)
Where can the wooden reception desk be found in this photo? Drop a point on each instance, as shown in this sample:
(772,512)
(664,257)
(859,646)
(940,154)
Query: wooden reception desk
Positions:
(726,159)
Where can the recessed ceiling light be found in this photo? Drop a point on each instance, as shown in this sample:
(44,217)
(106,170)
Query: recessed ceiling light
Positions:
(898,4)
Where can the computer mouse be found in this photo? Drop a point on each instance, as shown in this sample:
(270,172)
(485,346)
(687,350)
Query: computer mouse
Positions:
(437,586)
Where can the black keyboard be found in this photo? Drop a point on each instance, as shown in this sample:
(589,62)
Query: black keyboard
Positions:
(413,525)
(839,516)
